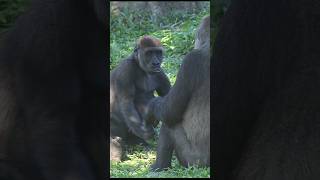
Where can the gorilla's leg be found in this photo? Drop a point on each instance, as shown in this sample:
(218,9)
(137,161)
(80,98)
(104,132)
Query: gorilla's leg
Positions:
(164,150)
(182,146)
(133,140)
(189,152)
(118,128)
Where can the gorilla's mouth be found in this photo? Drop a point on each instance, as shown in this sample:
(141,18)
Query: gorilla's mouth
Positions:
(156,69)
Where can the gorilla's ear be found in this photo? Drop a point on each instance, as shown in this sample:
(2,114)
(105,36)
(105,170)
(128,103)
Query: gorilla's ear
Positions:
(136,48)
(135,51)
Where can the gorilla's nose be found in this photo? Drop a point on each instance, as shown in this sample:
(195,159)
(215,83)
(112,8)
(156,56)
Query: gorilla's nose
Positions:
(157,64)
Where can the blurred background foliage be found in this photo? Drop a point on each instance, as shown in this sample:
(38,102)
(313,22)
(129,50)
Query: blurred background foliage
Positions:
(10,10)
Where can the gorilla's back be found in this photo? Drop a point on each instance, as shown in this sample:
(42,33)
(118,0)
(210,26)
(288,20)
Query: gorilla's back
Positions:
(196,120)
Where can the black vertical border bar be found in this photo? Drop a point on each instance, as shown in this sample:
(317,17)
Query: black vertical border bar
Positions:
(108,87)
(211,88)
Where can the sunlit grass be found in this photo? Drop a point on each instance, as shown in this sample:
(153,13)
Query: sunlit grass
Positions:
(140,160)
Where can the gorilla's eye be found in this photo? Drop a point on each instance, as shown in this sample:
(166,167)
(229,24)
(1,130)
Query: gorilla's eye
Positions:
(148,53)
(159,54)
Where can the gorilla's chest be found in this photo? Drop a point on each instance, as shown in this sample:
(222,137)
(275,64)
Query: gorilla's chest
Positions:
(146,85)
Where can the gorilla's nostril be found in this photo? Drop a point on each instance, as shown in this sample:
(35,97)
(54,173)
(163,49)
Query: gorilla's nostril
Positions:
(156,64)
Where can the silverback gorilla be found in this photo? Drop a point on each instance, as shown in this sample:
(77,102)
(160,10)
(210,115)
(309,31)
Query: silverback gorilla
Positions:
(266,114)
(132,86)
(185,110)
(53,92)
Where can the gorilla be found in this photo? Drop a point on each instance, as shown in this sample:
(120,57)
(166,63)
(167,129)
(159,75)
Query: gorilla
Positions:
(266,114)
(132,86)
(53,92)
(185,110)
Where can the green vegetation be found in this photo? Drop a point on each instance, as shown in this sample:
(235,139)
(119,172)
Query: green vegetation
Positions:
(141,160)
(9,11)
(176,32)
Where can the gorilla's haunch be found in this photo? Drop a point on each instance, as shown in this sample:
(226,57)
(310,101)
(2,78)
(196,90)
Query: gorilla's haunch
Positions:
(53,92)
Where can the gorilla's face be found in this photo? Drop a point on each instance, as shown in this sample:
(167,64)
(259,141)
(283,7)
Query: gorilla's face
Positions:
(150,59)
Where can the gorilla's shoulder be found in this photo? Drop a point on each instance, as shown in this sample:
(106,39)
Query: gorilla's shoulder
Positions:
(129,63)
(194,57)
(125,70)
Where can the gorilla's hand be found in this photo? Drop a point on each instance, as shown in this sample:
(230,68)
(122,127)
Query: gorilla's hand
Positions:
(150,113)
(147,131)
(142,130)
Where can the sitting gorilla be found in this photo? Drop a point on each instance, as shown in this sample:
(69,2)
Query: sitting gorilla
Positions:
(132,86)
(185,110)
(53,91)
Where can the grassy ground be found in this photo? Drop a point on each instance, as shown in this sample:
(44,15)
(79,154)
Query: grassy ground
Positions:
(176,32)
(140,161)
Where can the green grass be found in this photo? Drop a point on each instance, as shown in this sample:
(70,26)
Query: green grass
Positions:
(140,161)
(139,164)
(176,33)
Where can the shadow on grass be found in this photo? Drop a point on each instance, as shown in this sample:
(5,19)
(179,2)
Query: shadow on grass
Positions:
(140,161)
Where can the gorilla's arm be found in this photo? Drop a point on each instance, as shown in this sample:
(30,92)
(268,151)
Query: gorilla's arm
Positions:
(163,84)
(126,91)
(131,116)
(171,107)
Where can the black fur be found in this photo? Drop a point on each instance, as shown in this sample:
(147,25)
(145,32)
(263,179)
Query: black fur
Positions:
(52,93)
(266,91)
